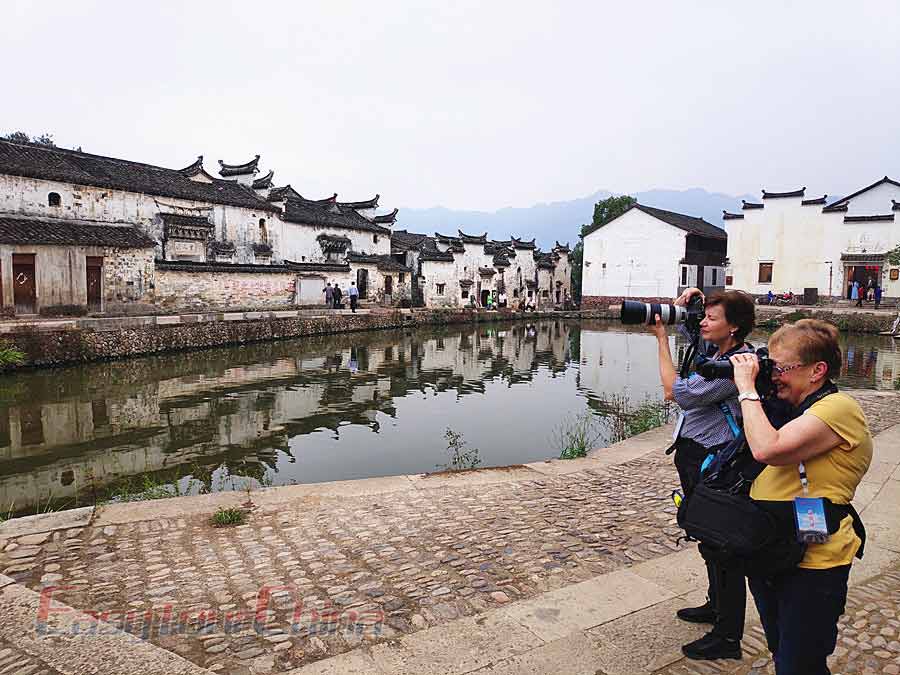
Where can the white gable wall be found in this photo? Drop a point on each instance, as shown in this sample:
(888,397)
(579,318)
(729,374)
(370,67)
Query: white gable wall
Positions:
(641,254)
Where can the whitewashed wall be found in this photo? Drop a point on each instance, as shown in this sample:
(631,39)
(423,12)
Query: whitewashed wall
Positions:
(805,244)
(299,243)
(641,255)
(437,272)
(29,196)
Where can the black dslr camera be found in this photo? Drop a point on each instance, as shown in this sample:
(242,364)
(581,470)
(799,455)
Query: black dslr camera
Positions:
(634,312)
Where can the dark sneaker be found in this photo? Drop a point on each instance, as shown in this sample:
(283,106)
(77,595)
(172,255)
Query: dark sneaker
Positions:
(705,613)
(712,646)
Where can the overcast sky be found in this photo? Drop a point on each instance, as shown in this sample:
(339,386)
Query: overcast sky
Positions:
(468,104)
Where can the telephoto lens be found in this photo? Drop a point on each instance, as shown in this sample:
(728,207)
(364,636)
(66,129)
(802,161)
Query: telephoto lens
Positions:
(634,312)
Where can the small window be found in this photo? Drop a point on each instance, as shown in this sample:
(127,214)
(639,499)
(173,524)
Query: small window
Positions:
(715,277)
(263,232)
(545,294)
(375,238)
(440,288)
(465,293)
(53,199)
(683,274)
(765,273)
(515,292)
(402,277)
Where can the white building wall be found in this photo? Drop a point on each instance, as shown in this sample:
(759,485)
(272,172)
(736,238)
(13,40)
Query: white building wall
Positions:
(435,272)
(29,196)
(299,242)
(805,243)
(640,254)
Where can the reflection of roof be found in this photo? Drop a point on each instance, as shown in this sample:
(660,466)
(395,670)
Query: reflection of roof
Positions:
(384,262)
(81,168)
(24,231)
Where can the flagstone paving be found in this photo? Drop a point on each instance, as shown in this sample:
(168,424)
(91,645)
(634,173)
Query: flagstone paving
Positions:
(322,576)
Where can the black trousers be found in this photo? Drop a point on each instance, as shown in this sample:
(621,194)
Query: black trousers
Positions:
(799,613)
(727,588)
(353,303)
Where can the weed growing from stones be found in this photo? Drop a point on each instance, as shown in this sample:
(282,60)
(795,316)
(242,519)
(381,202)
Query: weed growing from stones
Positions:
(228,517)
(461,456)
(575,435)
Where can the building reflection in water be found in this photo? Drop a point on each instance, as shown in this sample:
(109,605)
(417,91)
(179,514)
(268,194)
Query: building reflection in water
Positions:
(329,408)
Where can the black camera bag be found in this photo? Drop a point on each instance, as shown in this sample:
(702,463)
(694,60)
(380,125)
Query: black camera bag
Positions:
(731,523)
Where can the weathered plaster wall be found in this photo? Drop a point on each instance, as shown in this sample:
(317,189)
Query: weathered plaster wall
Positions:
(436,272)
(221,290)
(61,275)
(299,243)
(29,196)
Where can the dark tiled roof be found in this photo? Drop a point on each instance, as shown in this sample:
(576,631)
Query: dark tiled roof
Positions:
(862,257)
(387,217)
(814,202)
(687,223)
(262,248)
(239,169)
(317,266)
(562,248)
(780,195)
(265,181)
(746,206)
(329,215)
(444,239)
(731,216)
(366,204)
(331,242)
(869,219)
(283,193)
(402,239)
(222,247)
(518,243)
(469,239)
(325,200)
(842,202)
(436,256)
(500,260)
(465,283)
(487,271)
(81,168)
(896,206)
(384,262)
(195,168)
(70,233)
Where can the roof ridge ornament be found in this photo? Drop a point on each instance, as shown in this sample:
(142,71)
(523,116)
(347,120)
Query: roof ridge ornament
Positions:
(194,168)
(781,195)
(264,182)
(244,169)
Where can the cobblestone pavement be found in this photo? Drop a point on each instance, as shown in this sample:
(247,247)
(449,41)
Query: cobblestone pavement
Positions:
(868,638)
(318,577)
(14,661)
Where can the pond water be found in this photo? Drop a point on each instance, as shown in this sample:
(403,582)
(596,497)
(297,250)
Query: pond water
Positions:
(337,407)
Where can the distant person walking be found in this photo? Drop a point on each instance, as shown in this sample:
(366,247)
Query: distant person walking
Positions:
(354,296)
(329,295)
(856,294)
(337,297)
(878,292)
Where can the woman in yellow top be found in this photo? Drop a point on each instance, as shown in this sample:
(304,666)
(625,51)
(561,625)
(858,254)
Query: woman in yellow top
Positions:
(829,448)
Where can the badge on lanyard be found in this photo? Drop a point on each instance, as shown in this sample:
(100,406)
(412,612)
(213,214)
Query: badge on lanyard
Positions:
(812,528)
(678,424)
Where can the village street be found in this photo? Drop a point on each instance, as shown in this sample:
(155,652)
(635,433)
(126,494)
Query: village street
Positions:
(564,566)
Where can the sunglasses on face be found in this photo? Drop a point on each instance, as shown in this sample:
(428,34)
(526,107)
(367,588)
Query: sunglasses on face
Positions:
(781,370)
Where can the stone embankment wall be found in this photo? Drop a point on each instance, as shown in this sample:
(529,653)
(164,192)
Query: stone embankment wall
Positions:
(90,339)
(223,289)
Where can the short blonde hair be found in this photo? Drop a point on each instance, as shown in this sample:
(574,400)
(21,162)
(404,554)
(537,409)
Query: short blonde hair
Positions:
(813,340)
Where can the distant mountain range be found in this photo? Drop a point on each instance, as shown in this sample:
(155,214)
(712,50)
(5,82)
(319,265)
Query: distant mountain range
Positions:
(561,221)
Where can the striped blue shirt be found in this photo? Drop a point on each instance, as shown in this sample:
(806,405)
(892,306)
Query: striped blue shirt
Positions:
(699,398)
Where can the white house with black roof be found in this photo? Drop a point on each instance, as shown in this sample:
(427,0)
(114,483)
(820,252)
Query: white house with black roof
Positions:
(175,238)
(650,254)
(790,242)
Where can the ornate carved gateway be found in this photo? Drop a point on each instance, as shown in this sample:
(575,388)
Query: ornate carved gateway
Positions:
(186,236)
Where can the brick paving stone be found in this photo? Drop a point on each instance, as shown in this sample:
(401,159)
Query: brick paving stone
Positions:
(318,579)
(14,660)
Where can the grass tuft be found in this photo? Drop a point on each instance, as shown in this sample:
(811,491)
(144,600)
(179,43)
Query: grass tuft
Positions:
(228,517)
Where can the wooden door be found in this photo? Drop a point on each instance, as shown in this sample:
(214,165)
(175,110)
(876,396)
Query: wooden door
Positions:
(362,282)
(24,295)
(389,285)
(94,283)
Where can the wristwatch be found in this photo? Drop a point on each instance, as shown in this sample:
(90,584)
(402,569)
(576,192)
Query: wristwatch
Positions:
(748,396)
